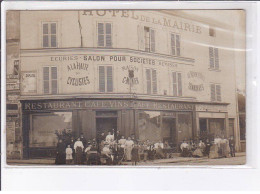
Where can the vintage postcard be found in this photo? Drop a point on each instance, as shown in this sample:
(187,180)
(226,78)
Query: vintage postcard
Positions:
(125,87)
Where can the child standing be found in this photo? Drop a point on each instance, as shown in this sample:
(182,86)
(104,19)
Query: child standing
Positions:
(69,155)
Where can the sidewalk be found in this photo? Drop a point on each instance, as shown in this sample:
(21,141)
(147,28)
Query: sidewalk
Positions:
(158,161)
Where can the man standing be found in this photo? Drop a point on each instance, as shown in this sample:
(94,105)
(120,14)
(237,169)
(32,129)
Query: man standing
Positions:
(232,146)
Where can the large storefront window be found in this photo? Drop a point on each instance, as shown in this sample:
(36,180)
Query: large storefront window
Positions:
(216,127)
(184,127)
(149,126)
(44,126)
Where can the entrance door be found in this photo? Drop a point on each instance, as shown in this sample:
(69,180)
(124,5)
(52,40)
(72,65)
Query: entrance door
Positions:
(169,132)
(105,125)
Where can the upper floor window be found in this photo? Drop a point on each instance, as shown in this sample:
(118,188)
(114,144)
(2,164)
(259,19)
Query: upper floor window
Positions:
(104,35)
(105,78)
(175,44)
(177,83)
(151,81)
(49,34)
(212,32)
(213,58)
(149,39)
(215,90)
(50,80)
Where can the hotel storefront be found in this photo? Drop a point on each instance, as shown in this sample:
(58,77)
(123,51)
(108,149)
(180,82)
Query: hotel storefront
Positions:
(143,119)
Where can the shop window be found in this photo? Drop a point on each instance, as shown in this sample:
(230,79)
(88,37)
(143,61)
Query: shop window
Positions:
(149,126)
(177,84)
(213,58)
(49,35)
(216,127)
(46,125)
(212,32)
(175,44)
(151,81)
(149,39)
(50,80)
(105,79)
(104,35)
(215,90)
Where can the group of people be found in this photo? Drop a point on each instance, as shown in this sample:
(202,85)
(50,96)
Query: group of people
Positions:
(108,149)
(218,148)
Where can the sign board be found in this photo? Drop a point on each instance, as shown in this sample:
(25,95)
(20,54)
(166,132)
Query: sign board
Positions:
(29,81)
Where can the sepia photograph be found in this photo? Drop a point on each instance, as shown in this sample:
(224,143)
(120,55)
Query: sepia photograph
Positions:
(125,87)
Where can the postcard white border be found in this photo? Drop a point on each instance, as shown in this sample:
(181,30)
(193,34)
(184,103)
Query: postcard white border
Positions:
(178,178)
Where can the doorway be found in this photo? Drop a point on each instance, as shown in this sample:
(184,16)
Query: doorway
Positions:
(105,125)
(169,132)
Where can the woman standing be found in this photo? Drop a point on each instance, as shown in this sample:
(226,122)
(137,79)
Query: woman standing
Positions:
(128,148)
(61,155)
(78,147)
(135,154)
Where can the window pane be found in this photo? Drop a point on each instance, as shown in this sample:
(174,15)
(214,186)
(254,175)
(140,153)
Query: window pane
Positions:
(152,40)
(46,80)
(149,126)
(108,41)
(53,28)
(109,79)
(45,41)
(108,28)
(100,34)
(218,92)
(178,45)
(54,87)
(45,29)
(174,80)
(173,44)
(212,92)
(44,128)
(154,81)
(53,72)
(53,41)
(101,78)
(211,57)
(148,81)
(179,85)
(216,58)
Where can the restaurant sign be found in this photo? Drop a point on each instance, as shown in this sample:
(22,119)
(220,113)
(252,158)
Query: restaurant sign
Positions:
(112,104)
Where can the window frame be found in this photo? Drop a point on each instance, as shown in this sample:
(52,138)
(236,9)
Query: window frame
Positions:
(217,98)
(50,80)
(105,35)
(150,39)
(151,81)
(105,78)
(214,59)
(177,84)
(175,46)
(49,34)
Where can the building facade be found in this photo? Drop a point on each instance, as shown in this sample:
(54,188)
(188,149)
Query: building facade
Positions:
(154,75)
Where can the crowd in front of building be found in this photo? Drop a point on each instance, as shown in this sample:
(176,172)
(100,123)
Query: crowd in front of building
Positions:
(114,149)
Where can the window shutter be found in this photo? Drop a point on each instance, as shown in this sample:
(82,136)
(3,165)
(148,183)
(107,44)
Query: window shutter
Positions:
(218,92)
(140,33)
(54,81)
(212,91)
(179,85)
(178,45)
(101,78)
(173,44)
(154,78)
(216,58)
(53,35)
(148,81)
(46,74)
(45,38)
(101,40)
(152,36)
(108,35)
(174,83)
(211,58)
(109,79)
